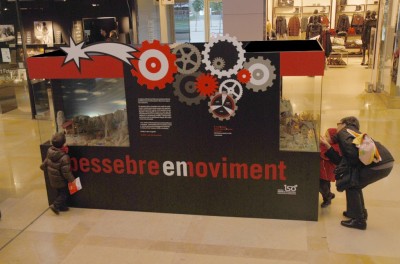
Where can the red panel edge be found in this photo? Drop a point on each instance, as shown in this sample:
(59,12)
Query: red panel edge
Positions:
(54,68)
(310,63)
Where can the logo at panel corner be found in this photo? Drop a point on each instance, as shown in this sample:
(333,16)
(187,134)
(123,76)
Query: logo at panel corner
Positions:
(288,190)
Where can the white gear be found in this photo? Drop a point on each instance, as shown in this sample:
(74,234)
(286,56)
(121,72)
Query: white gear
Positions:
(262,74)
(232,87)
(150,55)
(209,64)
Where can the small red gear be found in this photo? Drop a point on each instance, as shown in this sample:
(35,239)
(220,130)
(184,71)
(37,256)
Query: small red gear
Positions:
(244,76)
(206,84)
(155,65)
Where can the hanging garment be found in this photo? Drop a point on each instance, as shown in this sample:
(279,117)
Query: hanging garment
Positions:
(294,26)
(304,23)
(325,21)
(326,43)
(343,23)
(357,22)
(313,30)
(281,26)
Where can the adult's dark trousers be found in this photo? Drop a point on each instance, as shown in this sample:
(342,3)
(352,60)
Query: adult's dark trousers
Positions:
(325,189)
(354,195)
(61,199)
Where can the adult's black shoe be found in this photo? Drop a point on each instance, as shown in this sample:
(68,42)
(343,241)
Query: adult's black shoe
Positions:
(355,223)
(54,209)
(365,214)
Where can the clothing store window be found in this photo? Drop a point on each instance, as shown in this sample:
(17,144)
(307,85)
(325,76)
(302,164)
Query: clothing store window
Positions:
(13,77)
(395,73)
(386,51)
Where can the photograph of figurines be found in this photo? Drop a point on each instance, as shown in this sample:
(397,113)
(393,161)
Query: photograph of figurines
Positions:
(7,33)
(43,32)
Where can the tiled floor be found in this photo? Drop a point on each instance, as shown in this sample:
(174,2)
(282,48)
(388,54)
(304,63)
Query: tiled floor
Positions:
(29,233)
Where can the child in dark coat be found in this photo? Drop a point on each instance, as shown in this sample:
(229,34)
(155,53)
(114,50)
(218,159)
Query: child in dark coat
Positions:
(57,164)
(330,155)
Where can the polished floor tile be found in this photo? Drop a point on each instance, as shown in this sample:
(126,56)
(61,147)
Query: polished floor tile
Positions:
(30,233)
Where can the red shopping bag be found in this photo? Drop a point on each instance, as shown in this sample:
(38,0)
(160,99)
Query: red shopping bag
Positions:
(75,186)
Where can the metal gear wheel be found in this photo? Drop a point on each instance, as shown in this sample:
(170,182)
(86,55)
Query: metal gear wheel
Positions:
(188,58)
(262,73)
(232,87)
(222,106)
(185,89)
(155,65)
(224,43)
(218,63)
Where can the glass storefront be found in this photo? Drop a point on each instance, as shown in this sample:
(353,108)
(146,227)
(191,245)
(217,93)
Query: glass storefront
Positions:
(23,27)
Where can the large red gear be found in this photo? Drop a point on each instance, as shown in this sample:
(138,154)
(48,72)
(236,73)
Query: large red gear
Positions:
(206,84)
(154,66)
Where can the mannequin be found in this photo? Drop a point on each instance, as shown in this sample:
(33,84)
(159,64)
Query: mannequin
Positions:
(314,29)
(369,23)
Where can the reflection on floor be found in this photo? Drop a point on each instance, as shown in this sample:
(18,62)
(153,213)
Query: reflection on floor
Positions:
(29,233)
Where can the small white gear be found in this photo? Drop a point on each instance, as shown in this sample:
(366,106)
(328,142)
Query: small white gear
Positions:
(262,73)
(185,89)
(225,72)
(232,87)
(222,106)
(188,58)
(218,63)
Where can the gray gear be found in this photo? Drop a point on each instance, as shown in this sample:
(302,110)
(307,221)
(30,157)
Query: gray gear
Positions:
(188,58)
(185,89)
(222,106)
(218,63)
(262,73)
(232,87)
(225,72)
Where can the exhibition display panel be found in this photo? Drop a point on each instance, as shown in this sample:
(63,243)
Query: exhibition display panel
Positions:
(223,128)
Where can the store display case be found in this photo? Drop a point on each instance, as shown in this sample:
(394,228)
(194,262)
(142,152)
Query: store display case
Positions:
(300,113)
(204,137)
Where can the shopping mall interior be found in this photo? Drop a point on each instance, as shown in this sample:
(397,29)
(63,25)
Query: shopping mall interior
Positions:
(31,233)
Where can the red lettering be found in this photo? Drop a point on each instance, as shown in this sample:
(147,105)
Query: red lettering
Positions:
(84,165)
(282,168)
(201,172)
(142,163)
(95,165)
(256,171)
(118,166)
(154,167)
(214,169)
(239,168)
(267,171)
(106,165)
(131,166)
(191,168)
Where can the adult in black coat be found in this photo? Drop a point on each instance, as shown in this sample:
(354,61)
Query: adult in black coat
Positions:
(366,174)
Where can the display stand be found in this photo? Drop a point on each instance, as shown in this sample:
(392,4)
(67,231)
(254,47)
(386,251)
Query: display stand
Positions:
(338,59)
(204,137)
